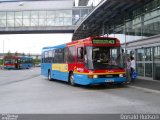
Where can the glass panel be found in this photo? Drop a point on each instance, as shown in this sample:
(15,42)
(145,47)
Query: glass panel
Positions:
(26,22)
(51,14)
(26,14)
(42,22)
(18,15)
(42,14)
(140,69)
(76,16)
(10,15)
(2,15)
(140,54)
(156,70)
(2,23)
(157,53)
(18,22)
(50,22)
(151,27)
(148,54)
(148,69)
(34,22)
(84,13)
(67,21)
(67,13)
(34,14)
(59,21)
(10,23)
(59,13)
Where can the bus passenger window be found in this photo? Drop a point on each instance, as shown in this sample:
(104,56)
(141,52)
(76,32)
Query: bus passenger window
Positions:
(80,54)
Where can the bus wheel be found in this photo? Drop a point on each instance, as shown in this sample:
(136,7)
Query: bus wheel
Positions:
(71,79)
(49,76)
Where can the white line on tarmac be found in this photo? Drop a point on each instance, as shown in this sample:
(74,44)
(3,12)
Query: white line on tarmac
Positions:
(145,89)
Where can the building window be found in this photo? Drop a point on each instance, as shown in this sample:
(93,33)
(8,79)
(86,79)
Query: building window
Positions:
(148,54)
(148,69)
(140,69)
(157,53)
(140,54)
(156,71)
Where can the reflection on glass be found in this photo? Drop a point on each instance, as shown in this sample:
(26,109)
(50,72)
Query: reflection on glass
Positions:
(157,53)
(84,13)
(140,69)
(42,22)
(26,14)
(148,54)
(50,22)
(102,57)
(34,14)
(140,54)
(10,23)
(148,70)
(59,13)
(34,22)
(42,14)
(2,15)
(10,15)
(51,14)
(18,15)
(156,71)
(18,22)
(67,21)
(67,13)
(2,23)
(26,22)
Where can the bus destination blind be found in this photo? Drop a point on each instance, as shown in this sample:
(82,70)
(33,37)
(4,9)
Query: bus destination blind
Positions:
(104,41)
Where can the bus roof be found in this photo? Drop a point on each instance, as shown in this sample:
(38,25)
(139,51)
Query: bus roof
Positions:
(16,57)
(53,47)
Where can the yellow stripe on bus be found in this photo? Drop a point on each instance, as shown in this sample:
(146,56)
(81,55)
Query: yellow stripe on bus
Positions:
(60,67)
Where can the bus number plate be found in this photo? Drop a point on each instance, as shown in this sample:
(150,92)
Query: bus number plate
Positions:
(110,80)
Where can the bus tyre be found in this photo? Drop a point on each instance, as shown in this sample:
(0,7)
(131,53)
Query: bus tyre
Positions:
(71,79)
(49,76)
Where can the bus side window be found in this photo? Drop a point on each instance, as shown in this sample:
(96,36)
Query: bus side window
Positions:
(53,54)
(65,55)
(71,54)
(80,54)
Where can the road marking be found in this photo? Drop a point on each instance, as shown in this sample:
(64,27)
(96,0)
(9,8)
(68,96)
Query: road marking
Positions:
(145,89)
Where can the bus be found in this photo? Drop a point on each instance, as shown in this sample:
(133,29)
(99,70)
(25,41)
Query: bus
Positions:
(89,61)
(18,62)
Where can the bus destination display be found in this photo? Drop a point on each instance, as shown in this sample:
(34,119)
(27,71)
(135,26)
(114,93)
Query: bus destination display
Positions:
(104,41)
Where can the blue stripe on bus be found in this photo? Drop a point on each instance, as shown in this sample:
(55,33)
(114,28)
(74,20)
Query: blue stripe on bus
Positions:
(84,80)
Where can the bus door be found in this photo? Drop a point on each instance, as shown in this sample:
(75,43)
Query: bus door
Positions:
(80,57)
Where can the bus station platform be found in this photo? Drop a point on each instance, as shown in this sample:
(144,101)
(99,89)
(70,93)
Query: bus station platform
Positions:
(149,85)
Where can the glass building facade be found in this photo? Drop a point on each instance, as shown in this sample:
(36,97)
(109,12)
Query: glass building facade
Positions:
(42,17)
(142,23)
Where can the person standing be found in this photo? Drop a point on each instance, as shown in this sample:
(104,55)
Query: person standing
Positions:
(133,65)
(128,70)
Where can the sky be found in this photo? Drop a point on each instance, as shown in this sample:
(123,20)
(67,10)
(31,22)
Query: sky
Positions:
(31,43)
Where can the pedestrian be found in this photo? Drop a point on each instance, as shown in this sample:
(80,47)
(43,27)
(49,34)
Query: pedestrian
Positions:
(133,65)
(128,70)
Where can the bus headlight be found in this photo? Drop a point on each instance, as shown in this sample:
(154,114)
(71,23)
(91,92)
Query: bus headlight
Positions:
(120,75)
(95,76)
(92,76)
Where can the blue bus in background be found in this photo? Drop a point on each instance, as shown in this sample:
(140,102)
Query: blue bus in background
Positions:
(18,62)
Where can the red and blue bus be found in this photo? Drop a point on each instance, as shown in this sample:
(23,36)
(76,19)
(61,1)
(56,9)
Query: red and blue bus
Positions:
(93,60)
(18,62)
